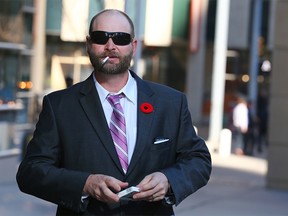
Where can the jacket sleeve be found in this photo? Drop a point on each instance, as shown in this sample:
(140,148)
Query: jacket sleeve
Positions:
(41,174)
(193,163)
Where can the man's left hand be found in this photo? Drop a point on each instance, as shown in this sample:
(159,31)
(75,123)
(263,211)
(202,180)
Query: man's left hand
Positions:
(152,188)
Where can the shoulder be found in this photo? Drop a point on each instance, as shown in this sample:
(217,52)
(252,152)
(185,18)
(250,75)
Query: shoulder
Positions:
(74,89)
(72,93)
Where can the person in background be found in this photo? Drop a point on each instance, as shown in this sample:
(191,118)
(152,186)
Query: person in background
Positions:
(262,117)
(240,124)
(68,81)
(249,136)
(112,131)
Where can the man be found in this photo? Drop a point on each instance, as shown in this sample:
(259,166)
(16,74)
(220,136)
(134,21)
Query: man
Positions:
(73,158)
(240,123)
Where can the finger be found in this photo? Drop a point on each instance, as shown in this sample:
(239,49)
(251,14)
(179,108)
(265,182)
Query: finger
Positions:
(155,194)
(155,198)
(151,199)
(144,195)
(145,181)
(159,195)
(106,195)
(106,188)
(116,185)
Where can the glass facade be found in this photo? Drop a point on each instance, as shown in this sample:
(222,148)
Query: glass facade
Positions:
(16,18)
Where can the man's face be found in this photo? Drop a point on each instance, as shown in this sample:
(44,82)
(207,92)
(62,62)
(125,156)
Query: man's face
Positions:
(120,56)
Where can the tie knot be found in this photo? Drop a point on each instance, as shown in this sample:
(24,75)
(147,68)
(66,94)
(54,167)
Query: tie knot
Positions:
(115,99)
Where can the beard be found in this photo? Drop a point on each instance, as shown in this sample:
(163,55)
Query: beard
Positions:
(107,68)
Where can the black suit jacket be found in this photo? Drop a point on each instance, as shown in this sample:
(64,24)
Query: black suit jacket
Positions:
(72,140)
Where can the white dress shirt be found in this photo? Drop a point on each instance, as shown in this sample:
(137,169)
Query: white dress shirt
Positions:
(240,116)
(129,105)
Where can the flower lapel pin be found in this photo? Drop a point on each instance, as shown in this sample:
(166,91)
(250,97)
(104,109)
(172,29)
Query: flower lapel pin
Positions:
(146,108)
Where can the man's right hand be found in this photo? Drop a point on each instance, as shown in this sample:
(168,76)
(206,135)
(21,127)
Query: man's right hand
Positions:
(103,188)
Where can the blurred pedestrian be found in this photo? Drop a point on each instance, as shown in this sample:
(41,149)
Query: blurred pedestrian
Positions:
(249,136)
(262,115)
(240,124)
(112,131)
(68,81)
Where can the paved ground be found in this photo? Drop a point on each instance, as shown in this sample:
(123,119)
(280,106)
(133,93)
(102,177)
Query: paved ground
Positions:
(12,201)
(236,188)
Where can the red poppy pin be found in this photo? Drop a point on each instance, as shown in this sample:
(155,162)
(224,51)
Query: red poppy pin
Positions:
(146,108)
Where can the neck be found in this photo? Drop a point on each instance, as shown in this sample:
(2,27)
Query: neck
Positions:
(112,82)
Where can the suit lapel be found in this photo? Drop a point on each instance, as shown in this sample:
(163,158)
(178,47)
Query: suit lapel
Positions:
(144,121)
(91,105)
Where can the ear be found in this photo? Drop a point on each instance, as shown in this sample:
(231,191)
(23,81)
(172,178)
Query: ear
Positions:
(88,43)
(134,46)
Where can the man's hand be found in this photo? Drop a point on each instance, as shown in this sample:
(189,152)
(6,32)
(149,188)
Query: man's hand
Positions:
(104,188)
(152,188)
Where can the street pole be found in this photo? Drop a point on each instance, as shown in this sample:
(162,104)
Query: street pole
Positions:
(196,64)
(219,71)
(38,59)
(254,56)
(139,23)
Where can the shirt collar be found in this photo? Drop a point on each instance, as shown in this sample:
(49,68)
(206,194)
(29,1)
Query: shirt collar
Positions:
(130,90)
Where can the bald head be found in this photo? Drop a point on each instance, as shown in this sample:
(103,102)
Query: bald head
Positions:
(99,19)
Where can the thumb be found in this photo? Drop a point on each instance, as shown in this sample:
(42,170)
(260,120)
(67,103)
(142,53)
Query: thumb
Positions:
(119,186)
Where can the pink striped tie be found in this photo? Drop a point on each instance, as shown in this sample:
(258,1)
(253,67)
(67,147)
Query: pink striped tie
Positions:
(118,129)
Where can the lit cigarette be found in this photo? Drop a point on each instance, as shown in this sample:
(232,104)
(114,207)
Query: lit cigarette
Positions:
(105,60)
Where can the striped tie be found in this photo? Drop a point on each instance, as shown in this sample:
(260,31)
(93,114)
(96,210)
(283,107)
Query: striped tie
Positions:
(118,129)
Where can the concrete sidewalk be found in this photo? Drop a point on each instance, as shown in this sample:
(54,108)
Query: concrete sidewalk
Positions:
(12,201)
(236,188)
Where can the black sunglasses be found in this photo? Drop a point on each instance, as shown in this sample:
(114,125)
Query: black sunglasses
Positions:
(119,38)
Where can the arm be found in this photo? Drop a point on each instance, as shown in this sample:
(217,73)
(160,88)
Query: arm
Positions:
(193,167)
(42,174)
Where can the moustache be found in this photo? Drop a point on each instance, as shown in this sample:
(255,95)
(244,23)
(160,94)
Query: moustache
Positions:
(110,55)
